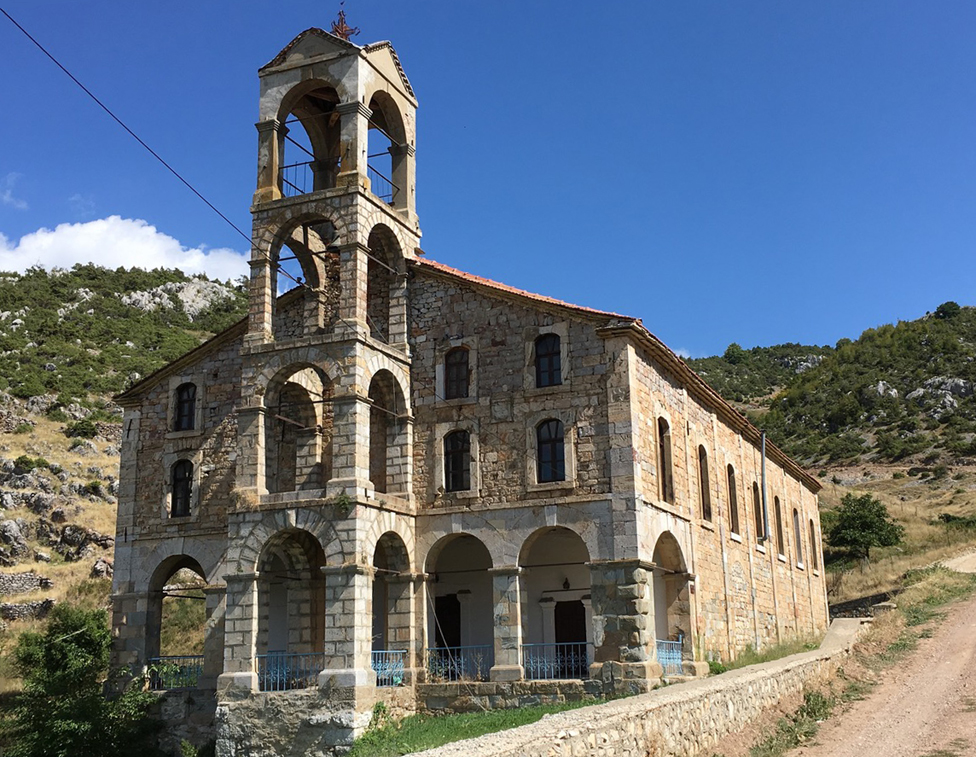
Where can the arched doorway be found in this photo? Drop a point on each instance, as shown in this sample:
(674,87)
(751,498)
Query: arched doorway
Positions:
(558,627)
(461,624)
(291,611)
(672,605)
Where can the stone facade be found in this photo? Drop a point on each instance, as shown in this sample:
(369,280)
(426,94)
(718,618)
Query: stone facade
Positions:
(401,475)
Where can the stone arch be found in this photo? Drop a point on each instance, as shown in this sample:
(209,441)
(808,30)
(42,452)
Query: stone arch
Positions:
(460,608)
(250,541)
(390,593)
(311,153)
(387,522)
(291,593)
(672,592)
(298,429)
(164,571)
(389,453)
(557,617)
(387,150)
(384,265)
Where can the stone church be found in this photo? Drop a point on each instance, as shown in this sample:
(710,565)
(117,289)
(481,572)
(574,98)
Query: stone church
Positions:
(405,483)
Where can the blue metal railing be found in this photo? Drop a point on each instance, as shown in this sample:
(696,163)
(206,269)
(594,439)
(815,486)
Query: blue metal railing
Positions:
(561,661)
(175,672)
(381,186)
(669,656)
(280,671)
(389,666)
(470,663)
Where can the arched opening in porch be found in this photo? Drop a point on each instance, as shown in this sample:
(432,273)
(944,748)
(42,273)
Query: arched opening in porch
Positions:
(176,624)
(461,622)
(557,618)
(291,611)
(672,604)
(391,609)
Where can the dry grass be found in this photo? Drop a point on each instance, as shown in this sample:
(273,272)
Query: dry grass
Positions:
(915,504)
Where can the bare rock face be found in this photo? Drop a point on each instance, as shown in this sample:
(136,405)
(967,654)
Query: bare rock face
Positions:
(12,537)
(196,296)
(102,568)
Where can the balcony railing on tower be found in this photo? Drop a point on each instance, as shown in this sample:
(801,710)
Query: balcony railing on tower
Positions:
(380,185)
(175,672)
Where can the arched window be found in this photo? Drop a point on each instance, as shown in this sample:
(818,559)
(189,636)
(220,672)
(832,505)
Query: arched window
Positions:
(457,461)
(703,484)
(665,476)
(814,551)
(182,486)
(551,460)
(733,500)
(780,541)
(548,365)
(797,534)
(186,407)
(456,374)
(757,512)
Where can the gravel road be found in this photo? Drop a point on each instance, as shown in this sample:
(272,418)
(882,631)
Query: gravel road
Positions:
(923,707)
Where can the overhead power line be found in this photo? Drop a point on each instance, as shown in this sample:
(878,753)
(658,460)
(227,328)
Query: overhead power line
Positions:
(122,123)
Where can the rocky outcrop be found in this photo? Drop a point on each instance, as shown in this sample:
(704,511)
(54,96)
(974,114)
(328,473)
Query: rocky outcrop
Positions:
(195,296)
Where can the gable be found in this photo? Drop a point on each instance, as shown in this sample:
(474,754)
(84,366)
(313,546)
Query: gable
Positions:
(311,43)
(384,58)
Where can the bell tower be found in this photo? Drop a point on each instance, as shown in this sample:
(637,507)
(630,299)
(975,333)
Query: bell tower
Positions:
(334,222)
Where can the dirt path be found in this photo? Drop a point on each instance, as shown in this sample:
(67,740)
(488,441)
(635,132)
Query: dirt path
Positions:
(926,706)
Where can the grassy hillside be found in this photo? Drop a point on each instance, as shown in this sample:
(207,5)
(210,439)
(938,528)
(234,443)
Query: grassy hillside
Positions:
(898,393)
(89,331)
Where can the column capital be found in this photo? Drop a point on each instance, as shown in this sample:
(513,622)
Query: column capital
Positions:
(346,569)
(356,107)
(272,124)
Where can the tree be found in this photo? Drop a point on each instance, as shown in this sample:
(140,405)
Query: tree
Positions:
(735,355)
(862,522)
(948,310)
(62,711)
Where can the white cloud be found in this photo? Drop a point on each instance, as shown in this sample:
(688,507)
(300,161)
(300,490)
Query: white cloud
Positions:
(83,206)
(682,353)
(114,242)
(7,192)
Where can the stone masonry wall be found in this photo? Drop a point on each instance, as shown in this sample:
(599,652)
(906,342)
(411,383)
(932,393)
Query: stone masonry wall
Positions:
(677,721)
(22,583)
(748,594)
(504,405)
(212,446)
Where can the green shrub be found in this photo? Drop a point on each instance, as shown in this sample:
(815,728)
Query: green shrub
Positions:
(85,429)
(26,463)
(23,428)
(62,711)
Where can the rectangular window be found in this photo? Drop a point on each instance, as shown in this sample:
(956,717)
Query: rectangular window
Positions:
(548,362)
(550,450)
(780,541)
(456,374)
(457,461)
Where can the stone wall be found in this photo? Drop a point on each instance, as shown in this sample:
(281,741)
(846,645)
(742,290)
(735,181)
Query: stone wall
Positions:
(22,583)
(677,721)
(26,611)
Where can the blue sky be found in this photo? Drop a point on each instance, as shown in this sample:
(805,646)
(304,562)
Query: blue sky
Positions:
(758,172)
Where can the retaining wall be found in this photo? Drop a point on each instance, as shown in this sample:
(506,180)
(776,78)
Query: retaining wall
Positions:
(679,721)
(22,583)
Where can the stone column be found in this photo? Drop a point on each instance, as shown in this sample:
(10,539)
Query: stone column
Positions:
(270,135)
(354,140)
(251,449)
(213,636)
(623,628)
(508,624)
(353,280)
(398,312)
(261,296)
(401,621)
(240,634)
(129,623)
(350,445)
(348,642)
(404,176)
